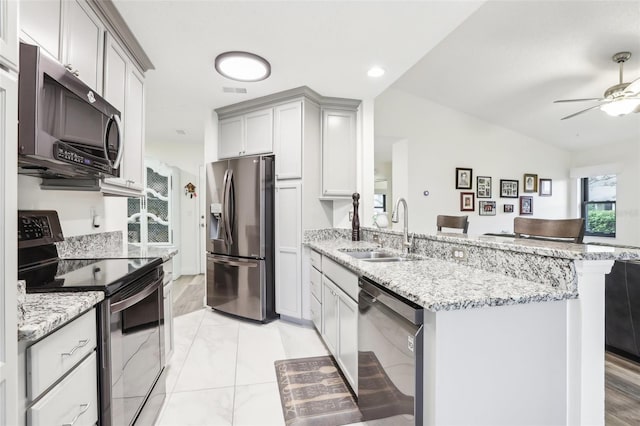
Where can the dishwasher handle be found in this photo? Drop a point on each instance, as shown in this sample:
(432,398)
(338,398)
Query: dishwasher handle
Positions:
(398,304)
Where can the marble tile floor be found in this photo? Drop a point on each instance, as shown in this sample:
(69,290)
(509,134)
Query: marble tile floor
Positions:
(221,372)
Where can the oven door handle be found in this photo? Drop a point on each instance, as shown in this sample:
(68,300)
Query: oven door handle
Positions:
(121,305)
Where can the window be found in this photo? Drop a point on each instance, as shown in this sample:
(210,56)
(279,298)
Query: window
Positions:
(599,205)
(379,202)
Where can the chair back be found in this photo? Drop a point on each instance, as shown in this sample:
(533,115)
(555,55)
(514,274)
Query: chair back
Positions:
(456,222)
(552,228)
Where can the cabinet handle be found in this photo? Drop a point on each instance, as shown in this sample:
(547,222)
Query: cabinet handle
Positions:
(80,344)
(76,73)
(84,409)
(68,67)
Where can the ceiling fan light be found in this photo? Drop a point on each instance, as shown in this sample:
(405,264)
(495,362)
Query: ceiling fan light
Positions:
(620,107)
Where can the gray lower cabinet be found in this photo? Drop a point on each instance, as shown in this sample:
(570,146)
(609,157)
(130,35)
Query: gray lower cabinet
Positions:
(338,313)
(59,375)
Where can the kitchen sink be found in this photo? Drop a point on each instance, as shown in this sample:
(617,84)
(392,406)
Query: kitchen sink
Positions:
(376,256)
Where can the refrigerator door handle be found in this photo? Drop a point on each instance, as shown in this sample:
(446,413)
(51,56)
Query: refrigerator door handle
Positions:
(237,263)
(229,206)
(225,203)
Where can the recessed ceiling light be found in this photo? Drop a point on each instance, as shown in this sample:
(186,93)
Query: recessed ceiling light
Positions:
(375,72)
(242,66)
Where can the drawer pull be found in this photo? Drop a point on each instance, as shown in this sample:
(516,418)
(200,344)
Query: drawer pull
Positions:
(80,344)
(84,409)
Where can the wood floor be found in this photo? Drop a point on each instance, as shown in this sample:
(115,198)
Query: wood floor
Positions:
(622,377)
(188,294)
(622,391)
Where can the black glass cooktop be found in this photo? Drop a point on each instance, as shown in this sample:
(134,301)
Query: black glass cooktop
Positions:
(108,275)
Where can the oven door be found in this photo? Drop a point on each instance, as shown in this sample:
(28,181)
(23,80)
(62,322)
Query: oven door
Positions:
(133,348)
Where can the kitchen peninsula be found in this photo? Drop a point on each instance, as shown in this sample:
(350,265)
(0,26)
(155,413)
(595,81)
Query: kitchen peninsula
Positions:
(513,328)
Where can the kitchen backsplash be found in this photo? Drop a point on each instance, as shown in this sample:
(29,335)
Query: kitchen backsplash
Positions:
(82,246)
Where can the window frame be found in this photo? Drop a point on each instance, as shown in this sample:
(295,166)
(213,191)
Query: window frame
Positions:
(584,203)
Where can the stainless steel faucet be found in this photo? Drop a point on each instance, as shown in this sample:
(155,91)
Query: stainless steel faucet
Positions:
(406,245)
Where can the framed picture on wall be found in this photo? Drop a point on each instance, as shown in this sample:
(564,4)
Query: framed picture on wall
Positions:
(467,201)
(507,208)
(464,178)
(530,183)
(526,205)
(508,188)
(545,187)
(487,208)
(483,186)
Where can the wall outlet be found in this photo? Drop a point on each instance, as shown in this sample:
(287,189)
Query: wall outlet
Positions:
(350,215)
(459,253)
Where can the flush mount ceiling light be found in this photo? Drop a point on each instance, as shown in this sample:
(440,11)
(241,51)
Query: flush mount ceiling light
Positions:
(375,72)
(242,66)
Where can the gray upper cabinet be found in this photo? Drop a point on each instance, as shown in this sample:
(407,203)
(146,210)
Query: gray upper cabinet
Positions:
(40,25)
(82,43)
(287,144)
(339,160)
(247,134)
(230,137)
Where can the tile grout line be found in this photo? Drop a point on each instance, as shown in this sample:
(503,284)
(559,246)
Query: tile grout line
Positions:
(235,379)
(170,391)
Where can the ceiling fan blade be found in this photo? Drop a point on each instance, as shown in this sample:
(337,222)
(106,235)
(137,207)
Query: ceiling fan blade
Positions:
(580,112)
(634,87)
(577,100)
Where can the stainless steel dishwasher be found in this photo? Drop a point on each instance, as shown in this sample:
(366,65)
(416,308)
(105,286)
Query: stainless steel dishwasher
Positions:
(390,365)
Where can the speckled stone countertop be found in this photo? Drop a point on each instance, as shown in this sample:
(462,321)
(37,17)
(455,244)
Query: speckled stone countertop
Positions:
(44,312)
(439,285)
(132,251)
(557,249)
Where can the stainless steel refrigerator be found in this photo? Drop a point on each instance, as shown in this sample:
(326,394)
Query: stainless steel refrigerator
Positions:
(240,242)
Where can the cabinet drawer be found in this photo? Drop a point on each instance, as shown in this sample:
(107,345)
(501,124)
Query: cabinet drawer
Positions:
(316,260)
(316,283)
(53,356)
(342,277)
(74,398)
(316,313)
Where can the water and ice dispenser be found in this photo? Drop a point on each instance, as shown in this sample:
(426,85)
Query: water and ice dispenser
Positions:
(215,220)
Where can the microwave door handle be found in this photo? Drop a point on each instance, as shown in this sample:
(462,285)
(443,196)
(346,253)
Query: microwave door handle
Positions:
(116,119)
(113,119)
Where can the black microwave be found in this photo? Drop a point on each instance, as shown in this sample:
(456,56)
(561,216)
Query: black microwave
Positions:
(65,129)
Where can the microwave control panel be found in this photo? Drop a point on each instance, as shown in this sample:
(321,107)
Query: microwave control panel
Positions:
(69,154)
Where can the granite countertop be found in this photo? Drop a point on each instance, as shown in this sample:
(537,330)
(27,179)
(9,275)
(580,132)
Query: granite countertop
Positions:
(132,251)
(439,285)
(557,249)
(44,312)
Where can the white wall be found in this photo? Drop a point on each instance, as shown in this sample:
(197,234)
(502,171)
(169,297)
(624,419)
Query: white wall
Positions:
(187,156)
(74,207)
(623,159)
(189,226)
(441,139)
(400,177)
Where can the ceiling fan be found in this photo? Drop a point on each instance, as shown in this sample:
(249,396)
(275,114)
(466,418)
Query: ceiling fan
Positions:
(619,99)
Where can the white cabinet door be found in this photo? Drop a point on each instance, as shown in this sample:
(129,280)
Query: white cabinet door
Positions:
(40,24)
(288,140)
(348,338)
(133,156)
(8,256)
(115,74)
(288,240)
(9,33)
(258,135)
(339,162)
(82,43)
(230,137)
(330,315)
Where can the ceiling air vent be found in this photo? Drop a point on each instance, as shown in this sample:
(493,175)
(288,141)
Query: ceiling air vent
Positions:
(234,90)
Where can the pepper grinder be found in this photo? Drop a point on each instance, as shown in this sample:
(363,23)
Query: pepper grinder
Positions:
(355,222)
